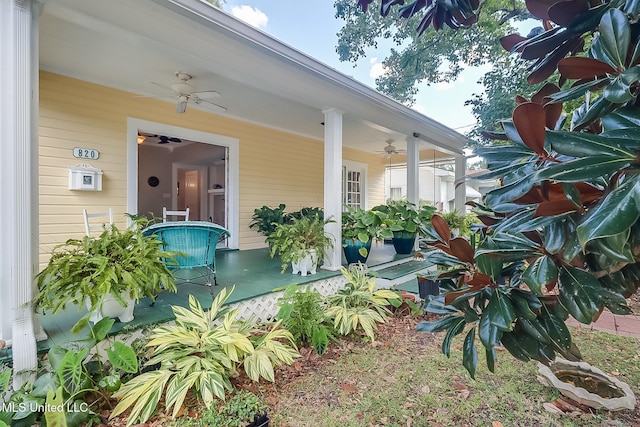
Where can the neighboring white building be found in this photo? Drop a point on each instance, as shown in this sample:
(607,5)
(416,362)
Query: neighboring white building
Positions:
(437,185)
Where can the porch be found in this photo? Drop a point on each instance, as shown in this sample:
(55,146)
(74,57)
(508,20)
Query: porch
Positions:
(257,279)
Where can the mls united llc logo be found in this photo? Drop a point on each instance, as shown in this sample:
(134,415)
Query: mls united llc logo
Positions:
(43,407)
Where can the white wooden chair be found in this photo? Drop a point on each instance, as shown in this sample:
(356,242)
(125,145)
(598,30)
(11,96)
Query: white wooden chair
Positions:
(99,225)
(178,214)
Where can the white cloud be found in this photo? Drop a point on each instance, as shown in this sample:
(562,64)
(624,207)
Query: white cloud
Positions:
(377,69)
(250,15)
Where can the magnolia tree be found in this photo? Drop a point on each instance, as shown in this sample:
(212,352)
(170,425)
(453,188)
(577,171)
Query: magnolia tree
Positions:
(561,234)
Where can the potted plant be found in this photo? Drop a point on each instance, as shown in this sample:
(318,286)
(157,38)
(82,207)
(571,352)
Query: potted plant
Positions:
(302,242)
(108,273)
(404,219)
(359,228)
(265,219)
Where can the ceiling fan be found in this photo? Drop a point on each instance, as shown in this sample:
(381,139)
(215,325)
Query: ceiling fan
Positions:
(162,139)
(391,149)
(186,92)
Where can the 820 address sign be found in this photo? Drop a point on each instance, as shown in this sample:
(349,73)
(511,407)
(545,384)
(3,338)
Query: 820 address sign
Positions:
(85,153)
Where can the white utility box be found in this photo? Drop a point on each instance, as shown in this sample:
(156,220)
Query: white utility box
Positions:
(85,177)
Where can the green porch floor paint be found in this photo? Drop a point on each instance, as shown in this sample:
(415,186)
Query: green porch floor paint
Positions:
(252,272)
(403,269)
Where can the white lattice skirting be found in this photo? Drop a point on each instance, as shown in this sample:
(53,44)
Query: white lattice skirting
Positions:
(264,309)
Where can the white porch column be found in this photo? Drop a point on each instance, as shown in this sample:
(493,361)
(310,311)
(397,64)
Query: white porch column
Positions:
(460,184)
(333,184)
(18,184)
(413,170)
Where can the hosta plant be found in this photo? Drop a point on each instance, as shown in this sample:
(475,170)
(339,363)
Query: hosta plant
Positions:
(561,234)
(200,352)
(359,305)
(302,312)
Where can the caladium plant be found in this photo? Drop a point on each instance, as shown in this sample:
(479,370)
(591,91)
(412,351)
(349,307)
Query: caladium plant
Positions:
(561,234)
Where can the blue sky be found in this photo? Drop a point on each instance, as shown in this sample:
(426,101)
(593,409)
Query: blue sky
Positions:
(311,27)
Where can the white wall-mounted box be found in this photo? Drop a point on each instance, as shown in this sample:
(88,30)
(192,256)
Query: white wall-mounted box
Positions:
(85,177)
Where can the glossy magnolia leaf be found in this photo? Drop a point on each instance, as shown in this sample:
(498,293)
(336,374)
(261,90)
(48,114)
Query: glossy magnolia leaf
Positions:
(524,303)
(439,325)
(490,355)
(455,329)
(632,8)
(535,330)
(540,8)
(488,333)
(555,328)
(546,66)
(579,67)
(386,5)
(489,265)
(555,207)
(616,247)
(441,227)
(511,192)
(510,41)
(461,249)
(576,91)
(578,144)
(619,91)
(600,107)
(580,293)
(617,212)
(521,346)
(437,306)
(554,235)
(615,36)
(584,169)
(500,311)
(529,119)
(542,271)
(470,353)
(412,8)
(508,247)
(564,12)
(623,118)
(541,45)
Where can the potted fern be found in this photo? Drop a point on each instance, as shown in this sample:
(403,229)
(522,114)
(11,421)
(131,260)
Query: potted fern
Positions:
(302,243)
(108,273)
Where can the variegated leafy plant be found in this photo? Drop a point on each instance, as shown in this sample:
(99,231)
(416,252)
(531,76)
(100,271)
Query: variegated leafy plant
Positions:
(200,352)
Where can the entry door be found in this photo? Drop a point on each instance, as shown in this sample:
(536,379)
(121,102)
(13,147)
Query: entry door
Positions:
(192,194)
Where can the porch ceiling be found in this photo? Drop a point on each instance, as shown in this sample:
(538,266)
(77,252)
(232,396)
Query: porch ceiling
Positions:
(128,44)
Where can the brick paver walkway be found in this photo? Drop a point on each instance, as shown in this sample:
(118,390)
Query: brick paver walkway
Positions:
(609,322)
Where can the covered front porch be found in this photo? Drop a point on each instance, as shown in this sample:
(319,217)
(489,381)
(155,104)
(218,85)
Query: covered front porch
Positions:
(258,282)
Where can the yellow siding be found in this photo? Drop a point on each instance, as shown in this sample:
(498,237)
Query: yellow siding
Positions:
(275,166)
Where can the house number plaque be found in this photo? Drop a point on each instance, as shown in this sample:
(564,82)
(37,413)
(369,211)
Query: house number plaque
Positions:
(85,153)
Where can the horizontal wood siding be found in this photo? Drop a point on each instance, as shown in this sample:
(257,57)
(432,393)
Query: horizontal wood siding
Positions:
(275,166)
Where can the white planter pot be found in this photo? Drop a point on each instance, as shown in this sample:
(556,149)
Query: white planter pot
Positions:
(112,308)
(307,264)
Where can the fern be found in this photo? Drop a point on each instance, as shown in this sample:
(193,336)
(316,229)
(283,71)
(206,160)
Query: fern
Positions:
(303,315)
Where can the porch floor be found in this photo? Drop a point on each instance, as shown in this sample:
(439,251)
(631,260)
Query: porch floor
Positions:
(252,272)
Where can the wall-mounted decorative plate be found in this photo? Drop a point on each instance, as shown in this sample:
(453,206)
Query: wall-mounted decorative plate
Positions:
(153,181)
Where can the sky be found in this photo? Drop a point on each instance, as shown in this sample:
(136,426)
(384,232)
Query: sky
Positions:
(311,27)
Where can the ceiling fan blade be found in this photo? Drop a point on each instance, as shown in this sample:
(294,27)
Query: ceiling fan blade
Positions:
(218,107)
(207,94)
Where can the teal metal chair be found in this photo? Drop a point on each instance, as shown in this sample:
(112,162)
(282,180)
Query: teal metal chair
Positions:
(196,241)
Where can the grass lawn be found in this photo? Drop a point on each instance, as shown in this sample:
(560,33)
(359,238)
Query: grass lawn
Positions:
(403,379)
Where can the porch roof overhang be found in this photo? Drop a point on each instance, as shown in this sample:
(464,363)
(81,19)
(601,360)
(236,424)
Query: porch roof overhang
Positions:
(261,79)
